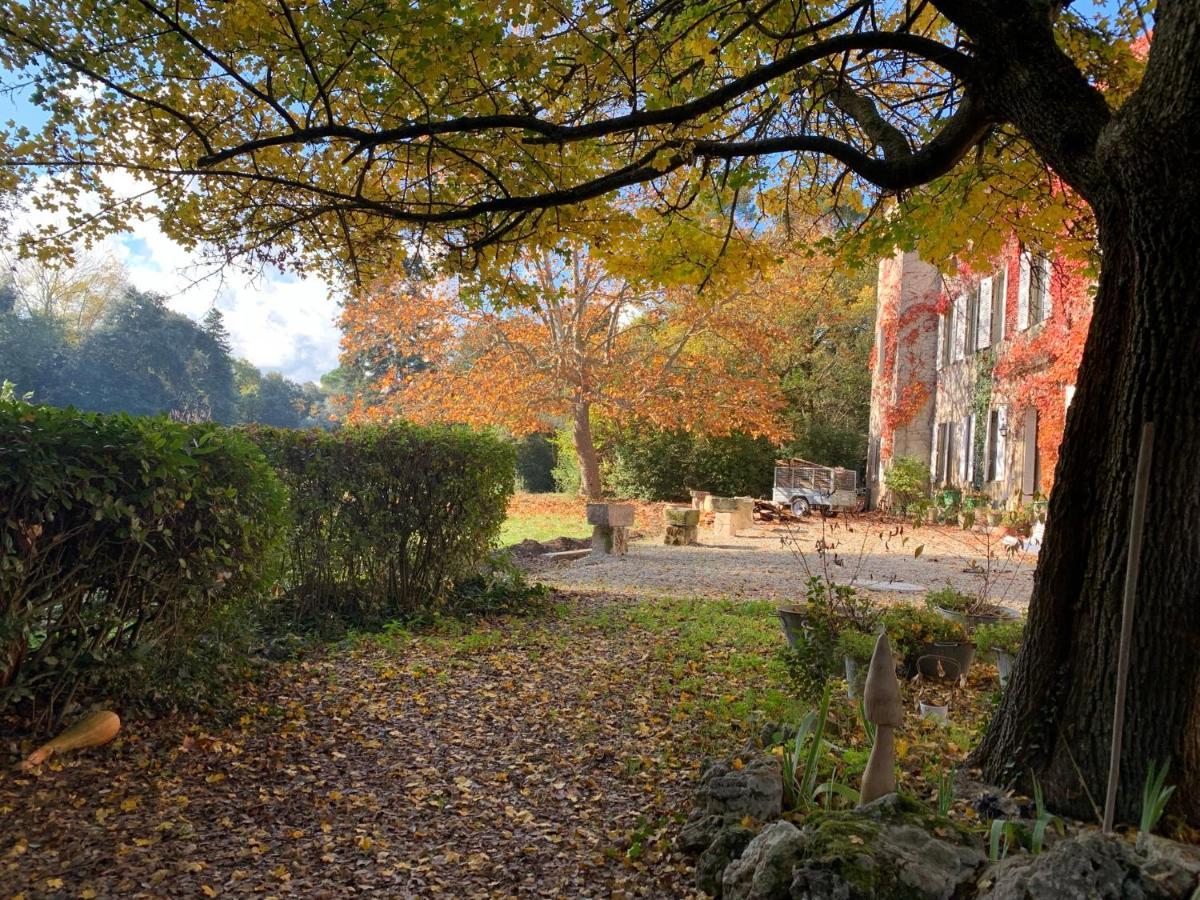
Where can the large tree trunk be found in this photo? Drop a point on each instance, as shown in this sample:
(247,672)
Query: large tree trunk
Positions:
(1141,364)
(585,449)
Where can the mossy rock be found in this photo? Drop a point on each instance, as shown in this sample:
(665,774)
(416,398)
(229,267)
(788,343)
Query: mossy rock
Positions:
(891,849)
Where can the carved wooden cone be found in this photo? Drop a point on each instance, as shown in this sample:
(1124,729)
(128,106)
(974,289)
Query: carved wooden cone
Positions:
(884,709)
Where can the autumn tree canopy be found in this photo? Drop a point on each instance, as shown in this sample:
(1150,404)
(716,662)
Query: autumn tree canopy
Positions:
(335,134)
(562,339)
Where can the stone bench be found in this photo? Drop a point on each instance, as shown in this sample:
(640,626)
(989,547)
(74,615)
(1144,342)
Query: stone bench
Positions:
(731,515)
(699,499)
(610,527)
(683,525)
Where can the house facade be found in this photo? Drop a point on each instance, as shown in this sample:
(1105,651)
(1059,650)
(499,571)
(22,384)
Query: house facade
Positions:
(973,371)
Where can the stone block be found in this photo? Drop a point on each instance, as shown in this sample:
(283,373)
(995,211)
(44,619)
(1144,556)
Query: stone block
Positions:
(681,535)
(724,504)
(610,540)
(613,514)
(699,498)
(681,515)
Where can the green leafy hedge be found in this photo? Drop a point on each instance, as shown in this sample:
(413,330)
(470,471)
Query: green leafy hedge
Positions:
(655,464)
(120,536)
(385,519)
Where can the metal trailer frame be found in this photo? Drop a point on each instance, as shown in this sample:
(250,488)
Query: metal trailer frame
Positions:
(830,489)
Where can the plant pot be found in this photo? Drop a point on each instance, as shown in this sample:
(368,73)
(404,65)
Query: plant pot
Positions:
(994,517)
(931,516)
(962,652)
(795,626)
(966,520)
(856,677)
(1004,664)
(936,713)
(974,620)
(937,667)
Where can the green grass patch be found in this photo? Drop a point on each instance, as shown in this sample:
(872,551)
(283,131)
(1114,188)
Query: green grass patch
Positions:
(542,527)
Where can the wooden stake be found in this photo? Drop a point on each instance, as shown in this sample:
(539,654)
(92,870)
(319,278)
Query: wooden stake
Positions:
(1132,567)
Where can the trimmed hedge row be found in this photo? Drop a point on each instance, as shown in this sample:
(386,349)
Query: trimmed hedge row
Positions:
(120,534)
(385,519)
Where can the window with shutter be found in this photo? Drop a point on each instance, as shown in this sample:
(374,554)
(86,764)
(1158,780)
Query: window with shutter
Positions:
(941,343)
(983,325)
(1023,291)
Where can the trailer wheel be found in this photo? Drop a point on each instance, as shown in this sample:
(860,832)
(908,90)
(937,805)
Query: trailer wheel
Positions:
(800,507)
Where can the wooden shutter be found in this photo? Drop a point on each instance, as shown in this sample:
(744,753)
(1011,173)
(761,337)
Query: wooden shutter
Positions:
(1047,297)
(969,451)
(934,451)
(1000,311)
(1001,443)
(960,327)
(983,326)
(1023,292)
(941,343)
(1029,430)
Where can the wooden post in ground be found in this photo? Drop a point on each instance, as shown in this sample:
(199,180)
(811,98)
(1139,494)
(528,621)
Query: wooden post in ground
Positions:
(1137,517)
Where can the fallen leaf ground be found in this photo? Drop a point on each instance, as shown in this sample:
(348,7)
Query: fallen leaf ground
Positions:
(548,756)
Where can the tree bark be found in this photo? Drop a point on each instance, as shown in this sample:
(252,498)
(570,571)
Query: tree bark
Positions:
(585,449)
(1141,363)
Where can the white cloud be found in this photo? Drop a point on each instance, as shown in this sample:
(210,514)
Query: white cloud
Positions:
(278,322)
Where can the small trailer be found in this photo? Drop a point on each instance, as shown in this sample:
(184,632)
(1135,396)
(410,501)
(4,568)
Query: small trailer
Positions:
(802,486)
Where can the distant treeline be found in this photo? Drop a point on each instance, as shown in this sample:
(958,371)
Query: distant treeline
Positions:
(86,339)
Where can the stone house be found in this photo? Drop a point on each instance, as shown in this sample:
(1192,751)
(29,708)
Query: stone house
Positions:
(973,371)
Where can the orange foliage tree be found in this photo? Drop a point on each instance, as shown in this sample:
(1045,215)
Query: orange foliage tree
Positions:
(563,337)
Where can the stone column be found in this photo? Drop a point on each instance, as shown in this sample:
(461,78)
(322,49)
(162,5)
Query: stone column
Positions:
(683,523)
(610,528)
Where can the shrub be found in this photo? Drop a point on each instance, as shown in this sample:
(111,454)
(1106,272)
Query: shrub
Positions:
(907,480)
(121,536)
(857,646)
(386,520)
(909,628)
(1002,636)
(566,474)
(952,599)
(663,464)
(535,463)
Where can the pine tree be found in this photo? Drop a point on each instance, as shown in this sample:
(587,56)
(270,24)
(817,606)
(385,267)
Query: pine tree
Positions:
(214,327)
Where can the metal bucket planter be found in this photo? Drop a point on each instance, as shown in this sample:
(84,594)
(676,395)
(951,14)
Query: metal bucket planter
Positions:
(1004,666)
(856,677)
(935,713)
(795,626)
(961,652)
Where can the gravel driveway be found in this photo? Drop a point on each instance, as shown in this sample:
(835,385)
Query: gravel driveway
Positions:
(771,561)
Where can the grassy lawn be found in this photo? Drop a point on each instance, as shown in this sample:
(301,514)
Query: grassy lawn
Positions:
(543,517)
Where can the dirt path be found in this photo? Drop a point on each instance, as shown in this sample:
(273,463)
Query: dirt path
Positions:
(878,557)
(537,758)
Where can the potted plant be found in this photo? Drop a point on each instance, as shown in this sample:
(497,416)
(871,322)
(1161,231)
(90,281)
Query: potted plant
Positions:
(1004,640)
(916,632)
(966,519)
(971,610)
(856,648)
(994,516)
